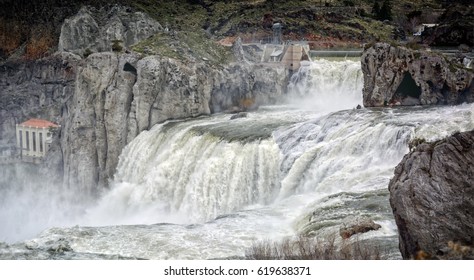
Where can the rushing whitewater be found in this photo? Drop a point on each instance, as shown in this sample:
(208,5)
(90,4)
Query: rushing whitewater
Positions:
(210,187)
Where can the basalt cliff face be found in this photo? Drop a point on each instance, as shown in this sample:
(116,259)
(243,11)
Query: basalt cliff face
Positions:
(432,197)
(400,76)
(102,101)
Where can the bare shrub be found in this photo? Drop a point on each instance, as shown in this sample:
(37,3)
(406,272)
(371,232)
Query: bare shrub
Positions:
(304,248)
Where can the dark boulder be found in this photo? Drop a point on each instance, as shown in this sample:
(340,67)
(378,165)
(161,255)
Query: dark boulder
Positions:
(432,198)
(239,116)
(455,28)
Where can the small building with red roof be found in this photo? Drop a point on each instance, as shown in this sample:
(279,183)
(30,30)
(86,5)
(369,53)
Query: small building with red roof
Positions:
(33,137)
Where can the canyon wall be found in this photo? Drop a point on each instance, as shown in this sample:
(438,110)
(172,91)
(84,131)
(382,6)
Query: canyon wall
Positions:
(102,100)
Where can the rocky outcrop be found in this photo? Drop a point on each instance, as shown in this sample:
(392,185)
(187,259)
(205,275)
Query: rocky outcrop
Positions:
(92,30)
(400,76)
(95,127)
(104,100)
(168,89)
(432,198)
(358,226)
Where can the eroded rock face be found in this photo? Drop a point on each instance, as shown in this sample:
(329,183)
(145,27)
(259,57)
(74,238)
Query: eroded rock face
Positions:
(167,89)
(35,89)
(399,76)
(103,101)
(95,128)
(432,198)
(96,30)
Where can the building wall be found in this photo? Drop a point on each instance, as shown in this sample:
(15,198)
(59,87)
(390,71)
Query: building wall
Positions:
(292,57)
(33,141)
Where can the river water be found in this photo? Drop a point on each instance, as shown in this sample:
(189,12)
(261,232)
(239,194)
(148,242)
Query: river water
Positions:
(211,187)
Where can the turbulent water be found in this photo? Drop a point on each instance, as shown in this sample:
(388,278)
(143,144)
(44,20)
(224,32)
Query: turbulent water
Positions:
(211,187)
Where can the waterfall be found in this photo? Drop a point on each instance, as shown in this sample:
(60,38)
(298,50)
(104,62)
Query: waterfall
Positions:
(192,171)
(340,151)
(327,86)
(210,187)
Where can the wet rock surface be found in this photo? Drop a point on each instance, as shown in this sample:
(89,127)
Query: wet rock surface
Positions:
(358,226)
(432,198)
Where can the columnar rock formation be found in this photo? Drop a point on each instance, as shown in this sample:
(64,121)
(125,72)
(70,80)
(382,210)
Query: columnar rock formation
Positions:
(104,100)
(432,197)
(400,76)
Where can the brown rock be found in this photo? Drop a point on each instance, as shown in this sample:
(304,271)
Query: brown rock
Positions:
(359,226)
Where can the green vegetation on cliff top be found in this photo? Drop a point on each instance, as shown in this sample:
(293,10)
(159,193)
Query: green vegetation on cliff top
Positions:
(190,45)
(36,24)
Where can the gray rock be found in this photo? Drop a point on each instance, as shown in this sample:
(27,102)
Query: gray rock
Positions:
(168,89)
(432,198)
(104,101)
(36,89)
(439,80)
(95,128)
(96,30)
(79,33)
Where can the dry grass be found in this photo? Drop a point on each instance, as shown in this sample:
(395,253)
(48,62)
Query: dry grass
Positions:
(453,251)
(11,35)
(304,248)
(38,40)
(40,43)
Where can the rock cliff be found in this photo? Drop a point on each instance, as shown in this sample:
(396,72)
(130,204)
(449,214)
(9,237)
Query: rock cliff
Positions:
(400,76)
(34,89)
(93,30)
(119,95)
(432,197)
(103,100)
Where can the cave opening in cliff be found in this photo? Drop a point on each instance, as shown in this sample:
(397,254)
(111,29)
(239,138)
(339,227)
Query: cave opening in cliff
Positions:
(129,68)
(408,88)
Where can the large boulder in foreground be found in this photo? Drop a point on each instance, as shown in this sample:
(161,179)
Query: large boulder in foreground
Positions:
(432,198)
(401,76)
